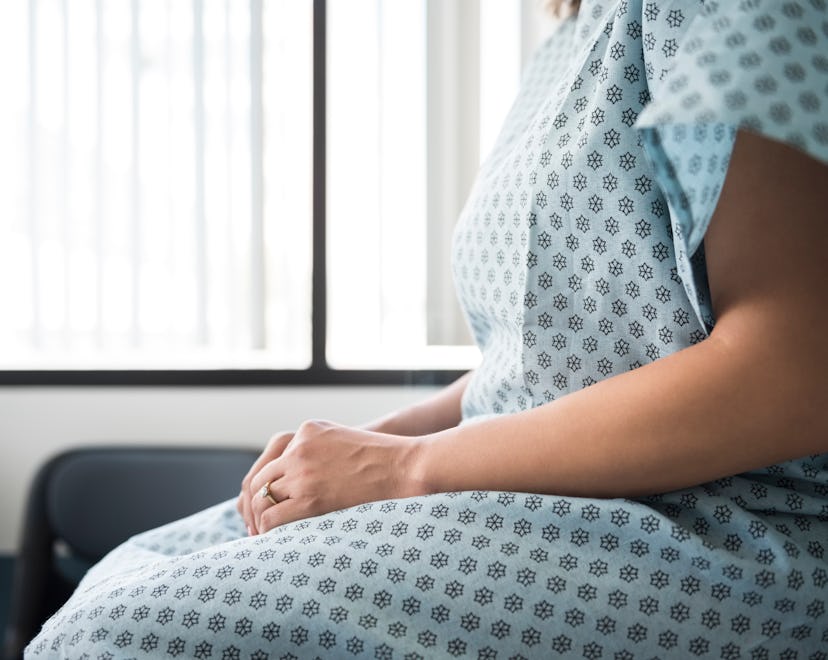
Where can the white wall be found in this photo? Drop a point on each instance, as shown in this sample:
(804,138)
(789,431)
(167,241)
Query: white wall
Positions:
(36,423)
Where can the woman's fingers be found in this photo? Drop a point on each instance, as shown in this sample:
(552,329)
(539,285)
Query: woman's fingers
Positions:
(258,501)
(269,478)
(274,449)
(275,446)
(280,514)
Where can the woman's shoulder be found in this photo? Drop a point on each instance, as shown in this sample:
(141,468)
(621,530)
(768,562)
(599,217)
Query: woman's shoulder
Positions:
(759,64)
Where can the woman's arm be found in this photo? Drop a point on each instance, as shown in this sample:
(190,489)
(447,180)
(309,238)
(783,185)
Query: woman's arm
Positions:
(437,413)
(751,395)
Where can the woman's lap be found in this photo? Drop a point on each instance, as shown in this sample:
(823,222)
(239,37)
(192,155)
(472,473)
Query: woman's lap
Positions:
(476,574)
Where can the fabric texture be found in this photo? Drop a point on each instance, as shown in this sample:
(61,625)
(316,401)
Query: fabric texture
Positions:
(577,257)
(759,66)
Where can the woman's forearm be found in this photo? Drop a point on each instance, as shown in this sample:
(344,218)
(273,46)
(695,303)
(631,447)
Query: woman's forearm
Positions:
(711,410)
(751,395)
(437,413)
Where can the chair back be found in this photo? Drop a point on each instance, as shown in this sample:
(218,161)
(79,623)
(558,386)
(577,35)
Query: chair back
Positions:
(84,502)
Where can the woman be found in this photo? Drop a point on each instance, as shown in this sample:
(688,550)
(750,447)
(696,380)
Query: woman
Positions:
(638,467)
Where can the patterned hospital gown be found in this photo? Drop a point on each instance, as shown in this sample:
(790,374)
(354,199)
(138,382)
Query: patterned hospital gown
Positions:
(578,256)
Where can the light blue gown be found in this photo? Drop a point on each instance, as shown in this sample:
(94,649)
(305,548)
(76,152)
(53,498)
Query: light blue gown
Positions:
(578,257)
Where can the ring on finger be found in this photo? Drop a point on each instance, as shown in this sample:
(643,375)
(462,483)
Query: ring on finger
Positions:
(265,494)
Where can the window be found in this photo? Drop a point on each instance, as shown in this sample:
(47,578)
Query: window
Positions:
(136,231)
(159,191)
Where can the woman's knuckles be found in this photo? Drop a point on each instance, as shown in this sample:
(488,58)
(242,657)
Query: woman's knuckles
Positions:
(314,427)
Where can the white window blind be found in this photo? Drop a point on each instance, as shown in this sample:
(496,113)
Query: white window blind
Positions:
(155,183)
(155,178)
(417,90)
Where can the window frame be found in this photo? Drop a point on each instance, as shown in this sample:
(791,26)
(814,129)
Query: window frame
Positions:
(319,372)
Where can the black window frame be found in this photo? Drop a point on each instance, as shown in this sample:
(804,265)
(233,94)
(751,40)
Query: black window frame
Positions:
(319,372)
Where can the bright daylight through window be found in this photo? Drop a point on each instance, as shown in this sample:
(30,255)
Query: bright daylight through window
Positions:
(155,210)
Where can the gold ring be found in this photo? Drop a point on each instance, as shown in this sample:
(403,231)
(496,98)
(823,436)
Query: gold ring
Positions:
(265,494)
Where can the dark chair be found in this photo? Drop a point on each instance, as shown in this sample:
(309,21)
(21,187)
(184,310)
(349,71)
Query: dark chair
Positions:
(84,502)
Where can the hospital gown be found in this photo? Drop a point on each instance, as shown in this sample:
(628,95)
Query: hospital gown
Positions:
(578,257)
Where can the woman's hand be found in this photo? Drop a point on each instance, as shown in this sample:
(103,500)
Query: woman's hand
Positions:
(438,412)
(324,467)
(275,446)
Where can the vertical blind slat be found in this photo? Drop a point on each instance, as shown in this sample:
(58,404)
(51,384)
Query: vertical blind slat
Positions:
(32,176)
(452,97)
(99,172)
(135,180)
(65,221)
(257,257)
(34,233)
(200,209)
(229,250)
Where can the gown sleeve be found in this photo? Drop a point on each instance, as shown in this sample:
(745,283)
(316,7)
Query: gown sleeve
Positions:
(756,65)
